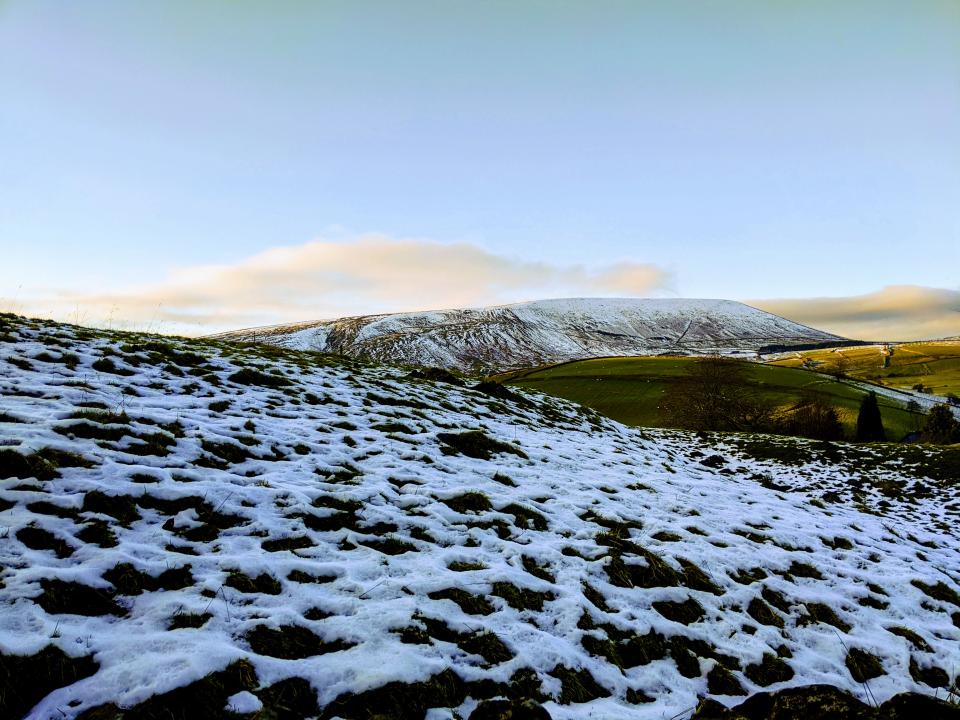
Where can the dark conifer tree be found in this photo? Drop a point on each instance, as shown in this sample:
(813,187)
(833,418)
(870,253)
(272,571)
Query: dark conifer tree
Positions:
(869,422)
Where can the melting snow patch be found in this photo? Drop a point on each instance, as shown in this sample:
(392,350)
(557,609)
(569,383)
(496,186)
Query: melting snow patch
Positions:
(244,703)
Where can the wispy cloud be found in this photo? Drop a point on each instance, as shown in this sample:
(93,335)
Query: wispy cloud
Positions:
(322,279)
(897,312)
(377,273)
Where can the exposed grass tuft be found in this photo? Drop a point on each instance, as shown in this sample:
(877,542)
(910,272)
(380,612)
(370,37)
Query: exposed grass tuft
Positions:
(476,444)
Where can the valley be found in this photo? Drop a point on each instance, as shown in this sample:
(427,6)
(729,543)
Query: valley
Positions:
(631,390)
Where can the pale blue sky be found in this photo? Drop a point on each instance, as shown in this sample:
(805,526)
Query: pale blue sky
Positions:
(750,149)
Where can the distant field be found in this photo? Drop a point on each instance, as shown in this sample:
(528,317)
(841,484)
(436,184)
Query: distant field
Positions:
(630,389)
(936,365)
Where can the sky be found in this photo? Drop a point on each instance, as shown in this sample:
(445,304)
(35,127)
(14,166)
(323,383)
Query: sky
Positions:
(196,166)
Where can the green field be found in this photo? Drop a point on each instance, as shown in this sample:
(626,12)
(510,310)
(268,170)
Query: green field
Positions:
(935,364)
(630,389)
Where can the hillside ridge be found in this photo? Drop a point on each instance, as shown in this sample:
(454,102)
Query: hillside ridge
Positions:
(506,337)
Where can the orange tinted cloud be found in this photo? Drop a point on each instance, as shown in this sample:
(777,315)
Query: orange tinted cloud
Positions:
(323,279)
(897,312)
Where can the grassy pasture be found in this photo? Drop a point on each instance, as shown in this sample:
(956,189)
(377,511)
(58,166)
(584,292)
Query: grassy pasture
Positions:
(630,389)
(935,364)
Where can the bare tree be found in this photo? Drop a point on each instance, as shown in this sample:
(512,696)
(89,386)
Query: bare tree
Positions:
(812,417)
(716,394)
(839,365)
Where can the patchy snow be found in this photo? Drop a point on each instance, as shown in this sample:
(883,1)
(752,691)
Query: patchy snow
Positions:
(340,502)
(545,331)
(243,703)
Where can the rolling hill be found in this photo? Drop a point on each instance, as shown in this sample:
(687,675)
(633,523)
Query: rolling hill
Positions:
(196,530)
(631,389)
(544,332)
(933,364)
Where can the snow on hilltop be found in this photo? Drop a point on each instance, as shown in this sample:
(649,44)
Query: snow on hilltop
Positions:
(546,331)
(192,526)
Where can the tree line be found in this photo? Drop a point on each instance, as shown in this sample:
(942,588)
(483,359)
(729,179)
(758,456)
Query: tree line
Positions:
(716,394)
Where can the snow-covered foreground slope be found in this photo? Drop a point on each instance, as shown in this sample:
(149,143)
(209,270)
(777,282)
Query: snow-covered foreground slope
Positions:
(195,526)
(547,331)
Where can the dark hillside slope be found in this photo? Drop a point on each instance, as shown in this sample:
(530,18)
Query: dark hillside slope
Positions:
(195,526)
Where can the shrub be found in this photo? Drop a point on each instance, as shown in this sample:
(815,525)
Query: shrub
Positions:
(941,426)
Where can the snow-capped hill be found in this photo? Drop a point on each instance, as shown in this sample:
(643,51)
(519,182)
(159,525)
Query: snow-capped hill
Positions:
(545,331)
(198,530)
